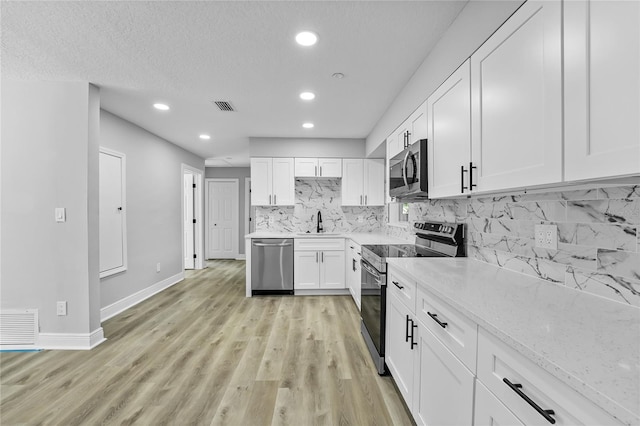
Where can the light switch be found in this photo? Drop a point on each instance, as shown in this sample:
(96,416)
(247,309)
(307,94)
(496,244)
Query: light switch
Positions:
(61,214)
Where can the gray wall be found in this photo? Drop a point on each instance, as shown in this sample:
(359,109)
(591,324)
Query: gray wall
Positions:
(50,159)
(154,206)
(307,147)
(475,23)
(234,173)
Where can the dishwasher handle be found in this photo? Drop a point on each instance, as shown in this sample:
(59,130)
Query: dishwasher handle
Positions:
(271,245)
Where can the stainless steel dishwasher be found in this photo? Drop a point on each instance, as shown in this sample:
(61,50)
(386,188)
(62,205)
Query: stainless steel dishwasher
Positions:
(272,266)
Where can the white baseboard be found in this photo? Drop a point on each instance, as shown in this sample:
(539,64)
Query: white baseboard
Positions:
(71,341)
(241,257)
(132,300)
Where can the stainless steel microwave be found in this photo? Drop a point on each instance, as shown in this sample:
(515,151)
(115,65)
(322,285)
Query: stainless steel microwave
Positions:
(408,173)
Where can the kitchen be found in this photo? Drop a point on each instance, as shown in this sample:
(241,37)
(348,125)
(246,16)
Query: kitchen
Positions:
(591,200)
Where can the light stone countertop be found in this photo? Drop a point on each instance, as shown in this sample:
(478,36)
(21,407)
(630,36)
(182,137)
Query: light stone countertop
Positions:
(590,343)
(358,237)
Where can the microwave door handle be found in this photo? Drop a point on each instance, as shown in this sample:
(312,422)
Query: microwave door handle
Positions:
(404,168)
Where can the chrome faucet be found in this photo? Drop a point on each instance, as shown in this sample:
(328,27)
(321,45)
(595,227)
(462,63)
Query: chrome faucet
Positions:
(319,228)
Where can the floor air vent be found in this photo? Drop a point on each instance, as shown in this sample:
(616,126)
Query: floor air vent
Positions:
(18,327)
(224,105)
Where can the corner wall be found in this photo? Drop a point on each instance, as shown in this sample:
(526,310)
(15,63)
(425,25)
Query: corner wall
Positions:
(154,209)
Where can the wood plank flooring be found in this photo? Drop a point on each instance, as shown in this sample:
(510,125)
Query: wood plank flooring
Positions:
(200,353)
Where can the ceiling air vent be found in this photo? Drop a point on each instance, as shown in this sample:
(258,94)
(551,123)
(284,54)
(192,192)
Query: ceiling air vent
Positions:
(224,105)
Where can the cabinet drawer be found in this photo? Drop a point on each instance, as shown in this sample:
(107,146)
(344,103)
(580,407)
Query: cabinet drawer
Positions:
(497,361)
(403,288)
(318,244)
(490,411)
(457,332)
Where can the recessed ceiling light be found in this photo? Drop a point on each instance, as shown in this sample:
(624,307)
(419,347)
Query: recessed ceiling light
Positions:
(205,137)
(307,125)
(306,38)
(337,75)
(161,107)
(307,96)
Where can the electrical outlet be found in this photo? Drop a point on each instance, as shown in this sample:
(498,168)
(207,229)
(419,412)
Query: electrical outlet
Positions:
(158,267)
(61,308)
(360,219)
(546,236)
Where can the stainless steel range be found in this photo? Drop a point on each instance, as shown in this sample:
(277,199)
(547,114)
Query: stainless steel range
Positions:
(433,239)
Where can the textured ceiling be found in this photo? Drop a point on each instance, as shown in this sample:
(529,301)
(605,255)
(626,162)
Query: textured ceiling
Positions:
(188,53)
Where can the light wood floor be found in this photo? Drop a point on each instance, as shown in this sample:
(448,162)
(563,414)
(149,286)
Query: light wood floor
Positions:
(201,353)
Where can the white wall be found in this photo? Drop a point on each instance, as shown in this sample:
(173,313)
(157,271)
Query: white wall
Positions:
(475,23)
(50,159)
(306,147)
(154,206)
(239,173)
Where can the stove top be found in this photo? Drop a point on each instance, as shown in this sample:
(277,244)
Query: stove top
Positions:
(401,250)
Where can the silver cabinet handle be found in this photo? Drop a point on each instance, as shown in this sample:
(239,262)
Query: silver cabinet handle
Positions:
(365,200)
(316,257)
(320,170)
(274,199)
(316,172)
(361,199)
(269,199)
(322,256)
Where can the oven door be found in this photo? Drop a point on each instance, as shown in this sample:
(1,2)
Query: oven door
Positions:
(373,301)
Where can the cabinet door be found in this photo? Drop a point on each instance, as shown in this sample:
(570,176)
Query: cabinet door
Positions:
(602,88)
(330,167)
(449,129)
(373,181)
(261,178)
(516,99)
(352,183)
(306,167)
(443,393)
(399,355)
(283,182)
(418,124)
(306,270)
(332,269)
(489,411)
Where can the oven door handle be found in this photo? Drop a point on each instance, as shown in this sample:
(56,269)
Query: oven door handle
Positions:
(373,272)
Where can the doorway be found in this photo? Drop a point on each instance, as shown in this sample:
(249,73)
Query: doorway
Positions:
(249,210)
(222,205)
(192,226)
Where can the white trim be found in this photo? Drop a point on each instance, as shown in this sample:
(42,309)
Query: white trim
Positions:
(71,341)
(135,298)
(322,292)
(197,209)
(236,218)
(123,192)
(247,205)
(241,257)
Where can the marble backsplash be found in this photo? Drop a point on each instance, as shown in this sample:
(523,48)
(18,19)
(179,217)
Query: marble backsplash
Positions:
(598,239)
(324,195)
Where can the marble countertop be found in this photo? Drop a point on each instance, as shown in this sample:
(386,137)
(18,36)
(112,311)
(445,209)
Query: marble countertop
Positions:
(590,343)
(358,237)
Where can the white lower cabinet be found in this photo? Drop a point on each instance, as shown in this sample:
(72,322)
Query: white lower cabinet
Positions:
(353,271)
(318,263)
(489,411)
(399,351)
(443,388)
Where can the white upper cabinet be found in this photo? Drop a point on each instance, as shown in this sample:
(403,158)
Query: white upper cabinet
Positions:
(362,182)
(449,134)
(318,167)
(417,124)
(272,182)
(516,99)
(602,88)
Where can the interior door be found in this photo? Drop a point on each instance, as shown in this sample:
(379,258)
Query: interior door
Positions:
(112,213)
(222,219)
(189,225)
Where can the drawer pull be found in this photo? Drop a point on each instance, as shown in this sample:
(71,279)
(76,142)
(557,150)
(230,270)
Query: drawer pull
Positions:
(544,413)
(435,318)
(397,285)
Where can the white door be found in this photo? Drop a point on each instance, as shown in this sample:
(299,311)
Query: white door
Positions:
(305,270)
(222,219)
(352,183)
(189,225)
(332,269)
(602,88)
(283,182)
(516,98)
(449,129)
(261,181)
(113,251)
(443,393)
(373,182)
